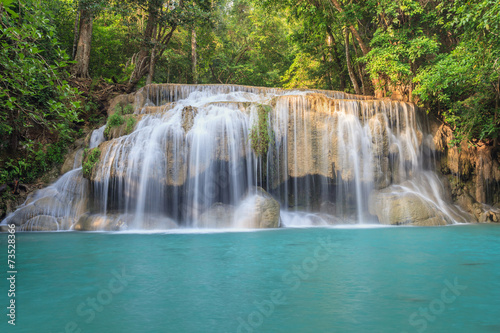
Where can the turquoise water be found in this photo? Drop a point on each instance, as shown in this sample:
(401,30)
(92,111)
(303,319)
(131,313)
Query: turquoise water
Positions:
(444,279)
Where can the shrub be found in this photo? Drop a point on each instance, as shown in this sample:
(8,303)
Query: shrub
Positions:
(115,120)
(90,159)
(131,121)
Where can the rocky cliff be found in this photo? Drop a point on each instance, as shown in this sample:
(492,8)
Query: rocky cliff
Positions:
(471,171)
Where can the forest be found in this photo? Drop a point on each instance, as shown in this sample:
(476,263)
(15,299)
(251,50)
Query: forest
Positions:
(60,60)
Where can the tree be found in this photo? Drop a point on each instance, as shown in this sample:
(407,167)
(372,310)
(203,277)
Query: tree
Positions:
(87,10)
(37,106)
(164,17)
(463,85)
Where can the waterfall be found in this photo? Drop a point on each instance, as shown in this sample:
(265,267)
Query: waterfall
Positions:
(332,158)
(97,137)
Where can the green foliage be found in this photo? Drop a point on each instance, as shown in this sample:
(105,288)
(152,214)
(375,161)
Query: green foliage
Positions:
(37,105)
(115,39)
(34,91)
(444,54)
(115,120)
(130,125)
(124,109)
(40,158)
(316,50)
(247,46)
(464,84)
(302,72)
(90,159)
(128,109)
(403,40)
(260,135)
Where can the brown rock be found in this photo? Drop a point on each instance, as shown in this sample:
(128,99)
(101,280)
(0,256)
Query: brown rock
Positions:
(258,210)
(40,223)
(396,208)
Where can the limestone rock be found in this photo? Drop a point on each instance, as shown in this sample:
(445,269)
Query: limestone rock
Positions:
(258,210)
(159,223)
(397,208)
(218,216)
(188,115)
(73,160)
(88,222)
(490,216)
(380,140)
(477,167)
(40,223)
(65,223)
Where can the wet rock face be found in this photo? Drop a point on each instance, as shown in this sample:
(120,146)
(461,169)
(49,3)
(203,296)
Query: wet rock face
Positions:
(188,115)
(378,131)
(120,222)
(352,144)
(396,208)
(43,206)
(218,216)
(41,223)
(345,140)
(89,222)
(54,207)
(473,171)
(73,160)
(258,210)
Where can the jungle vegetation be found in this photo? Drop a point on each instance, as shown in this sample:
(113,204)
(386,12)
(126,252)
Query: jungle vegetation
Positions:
(443,55)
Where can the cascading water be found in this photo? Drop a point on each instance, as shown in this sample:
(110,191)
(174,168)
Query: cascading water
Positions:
(332,158)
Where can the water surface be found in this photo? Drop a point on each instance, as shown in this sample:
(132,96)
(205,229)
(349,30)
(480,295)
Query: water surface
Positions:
(285,280)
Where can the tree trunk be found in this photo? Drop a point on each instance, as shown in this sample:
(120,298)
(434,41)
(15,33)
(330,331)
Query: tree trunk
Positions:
(194,56)
(76,35)
(361,72)
(349,66)
(142,64)
(152,63)
(333,49)
(364,48)
(82,57)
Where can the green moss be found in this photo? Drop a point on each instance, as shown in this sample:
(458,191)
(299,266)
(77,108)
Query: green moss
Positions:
(260,136)
(90,159)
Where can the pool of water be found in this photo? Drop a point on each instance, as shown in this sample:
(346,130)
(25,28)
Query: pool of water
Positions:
(407,279)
